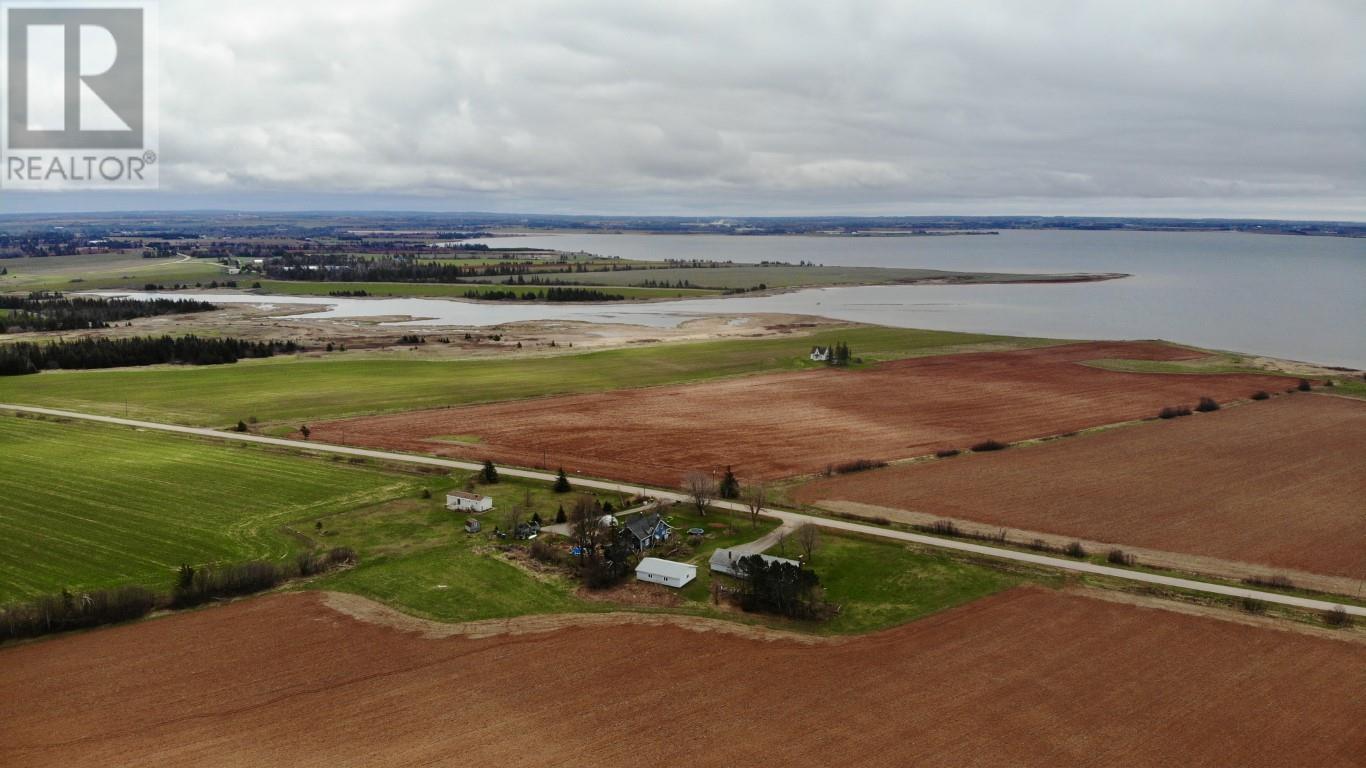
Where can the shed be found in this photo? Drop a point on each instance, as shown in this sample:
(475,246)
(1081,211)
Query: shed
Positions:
(727,561)
(463,501)
(472,525)
(667,572)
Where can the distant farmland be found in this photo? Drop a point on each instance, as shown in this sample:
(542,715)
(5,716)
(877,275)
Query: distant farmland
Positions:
(85,506)
(286,388)
(790,424)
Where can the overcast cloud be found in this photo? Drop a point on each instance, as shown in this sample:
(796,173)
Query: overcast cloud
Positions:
(1195,107)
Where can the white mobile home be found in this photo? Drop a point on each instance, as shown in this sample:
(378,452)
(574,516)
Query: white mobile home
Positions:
(727,561)
(666,572)
(462,501)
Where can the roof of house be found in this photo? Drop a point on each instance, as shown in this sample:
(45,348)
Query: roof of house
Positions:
(466,495)
(644,525)
(728,557)
(666,568)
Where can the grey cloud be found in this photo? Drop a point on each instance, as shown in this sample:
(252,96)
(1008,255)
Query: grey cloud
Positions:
(1230,108)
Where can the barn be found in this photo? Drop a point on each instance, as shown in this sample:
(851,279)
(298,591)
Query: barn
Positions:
(667,572)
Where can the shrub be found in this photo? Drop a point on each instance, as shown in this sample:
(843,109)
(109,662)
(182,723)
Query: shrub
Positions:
(68,611)
(1338,617)
(227,581)
(542,551)
(989,445)
(1304,385)
(1207,404)
(945,528)
(1171,412)
(1119,557)
(1261,394)
(1275,582)
(857,465)
(1252,605)
(1039,545)
(1075,549)
(946,453)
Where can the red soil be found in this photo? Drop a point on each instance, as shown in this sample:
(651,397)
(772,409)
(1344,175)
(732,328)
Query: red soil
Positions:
(1028,677)
(779,425)
(1279,483)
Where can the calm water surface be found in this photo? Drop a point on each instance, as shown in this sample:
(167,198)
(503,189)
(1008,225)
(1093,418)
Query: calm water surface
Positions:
(1302,298)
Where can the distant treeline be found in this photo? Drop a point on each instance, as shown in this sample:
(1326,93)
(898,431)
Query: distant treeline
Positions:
(551,294)
(406,269)
(55,312)
(24,357)
(384,269)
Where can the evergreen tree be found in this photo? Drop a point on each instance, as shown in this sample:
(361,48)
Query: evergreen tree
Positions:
(489,474)
(730,487)
(562,482)
(561,517)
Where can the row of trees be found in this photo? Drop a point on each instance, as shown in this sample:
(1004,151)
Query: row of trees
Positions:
(25,357)
(553,293)
(54,312)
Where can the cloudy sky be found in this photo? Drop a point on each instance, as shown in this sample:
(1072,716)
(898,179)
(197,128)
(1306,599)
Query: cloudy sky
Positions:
(1240,108)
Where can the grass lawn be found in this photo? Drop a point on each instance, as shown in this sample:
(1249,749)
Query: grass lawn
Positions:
(457,290)
(458,581)
(298,389)
(882,584)
(86,505)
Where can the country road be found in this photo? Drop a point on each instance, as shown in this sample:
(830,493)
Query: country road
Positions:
(789,520)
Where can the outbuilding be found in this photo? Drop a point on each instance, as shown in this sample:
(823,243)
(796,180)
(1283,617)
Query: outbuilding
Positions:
(667,572)
(464,501)
(727,561)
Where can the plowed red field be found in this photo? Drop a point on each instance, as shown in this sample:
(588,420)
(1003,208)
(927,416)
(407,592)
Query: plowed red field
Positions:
(1279,483)
(789,424)
(1028,677)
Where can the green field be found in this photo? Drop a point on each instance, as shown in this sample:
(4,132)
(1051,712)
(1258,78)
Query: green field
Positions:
(457,290)
(295,389)
(86,272)
(85,505)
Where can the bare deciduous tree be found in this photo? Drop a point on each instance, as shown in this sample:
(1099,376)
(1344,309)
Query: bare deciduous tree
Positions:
(701,488)
(512,517)
(809,540)
(756,496)
(586,526)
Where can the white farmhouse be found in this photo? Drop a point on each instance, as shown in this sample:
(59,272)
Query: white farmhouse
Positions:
(666,572)
(463,501)
(820,354)
(727,561)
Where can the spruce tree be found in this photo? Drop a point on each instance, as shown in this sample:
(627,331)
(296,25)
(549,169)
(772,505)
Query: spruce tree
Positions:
(490,473)
(730,487)
(562,482)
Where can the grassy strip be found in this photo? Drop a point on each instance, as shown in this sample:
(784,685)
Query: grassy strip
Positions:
(298,389)
(750,276)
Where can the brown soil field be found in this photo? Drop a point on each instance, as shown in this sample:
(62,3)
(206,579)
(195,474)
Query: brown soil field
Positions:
(1027,677)
(1279,483)
(779,425)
